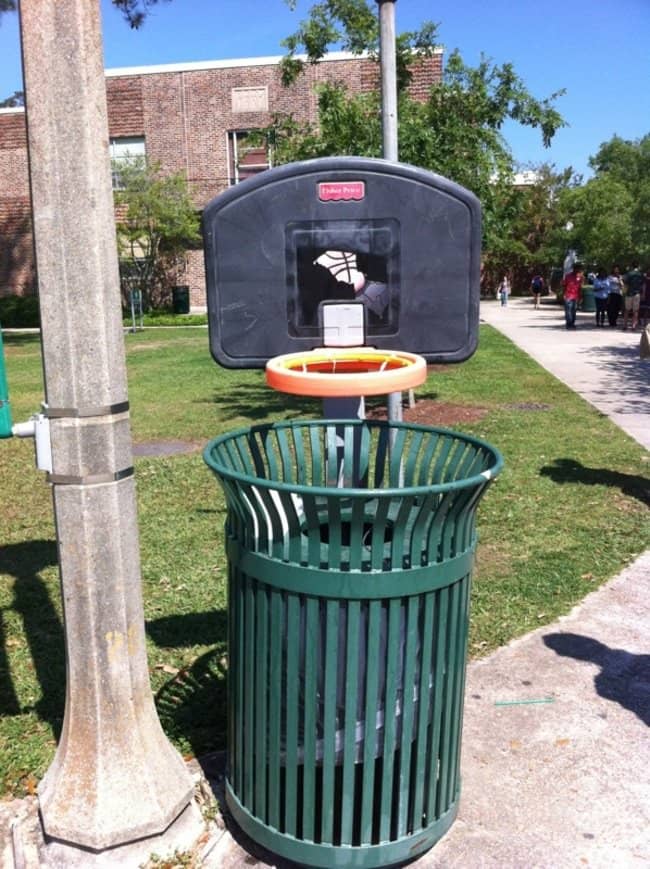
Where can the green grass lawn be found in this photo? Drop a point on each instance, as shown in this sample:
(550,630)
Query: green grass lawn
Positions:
(569,511)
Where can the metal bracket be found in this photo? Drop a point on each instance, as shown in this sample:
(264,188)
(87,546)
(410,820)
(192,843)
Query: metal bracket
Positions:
(37,427)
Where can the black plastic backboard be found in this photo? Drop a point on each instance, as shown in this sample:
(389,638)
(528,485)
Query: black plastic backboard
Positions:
(401,240)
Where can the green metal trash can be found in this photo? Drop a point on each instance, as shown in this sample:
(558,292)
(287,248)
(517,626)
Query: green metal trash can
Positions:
(181,300)
(350,548)
(588,303)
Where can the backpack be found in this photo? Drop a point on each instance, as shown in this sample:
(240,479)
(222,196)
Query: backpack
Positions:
(538,283)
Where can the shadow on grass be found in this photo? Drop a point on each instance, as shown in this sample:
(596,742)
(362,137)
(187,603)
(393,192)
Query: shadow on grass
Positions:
(190,629)
(571,471)
(624,677)
(259,402)
(42,628)
(192,706)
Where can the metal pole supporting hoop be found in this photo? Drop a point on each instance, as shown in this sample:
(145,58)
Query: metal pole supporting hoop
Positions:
(330,372)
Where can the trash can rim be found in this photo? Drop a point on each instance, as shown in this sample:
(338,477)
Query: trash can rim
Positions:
(351,492)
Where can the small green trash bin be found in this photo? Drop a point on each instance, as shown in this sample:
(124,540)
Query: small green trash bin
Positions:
(181,300)
(588,302)
(350,548)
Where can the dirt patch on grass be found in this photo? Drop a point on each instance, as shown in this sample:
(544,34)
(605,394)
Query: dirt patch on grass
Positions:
(430,412)
(150,345)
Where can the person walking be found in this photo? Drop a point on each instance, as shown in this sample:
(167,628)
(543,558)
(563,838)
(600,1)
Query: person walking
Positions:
(615,297)
(537,288)
(504,290)
(601,292)
(572,284)
(633,281)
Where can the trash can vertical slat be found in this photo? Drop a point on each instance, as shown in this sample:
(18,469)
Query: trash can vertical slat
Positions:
(334,530)
(357,528)
(317,466)
(350,719)
(446,445)
(311,643)
(422,760)
(370,712)
(440,633)
(277,630)
(259,713)
(329,717)
(299,450)
(293,639)
(460,687)
(398,530)
(236,659)
(332,455)
(378,535)
(393,666)
(446,736)
(410,461)
(249,688)
(407,713)
(430,447)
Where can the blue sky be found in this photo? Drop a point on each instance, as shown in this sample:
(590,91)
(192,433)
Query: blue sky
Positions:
(596,49)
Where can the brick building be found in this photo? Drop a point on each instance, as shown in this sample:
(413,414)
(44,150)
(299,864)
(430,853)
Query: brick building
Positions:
(192,118)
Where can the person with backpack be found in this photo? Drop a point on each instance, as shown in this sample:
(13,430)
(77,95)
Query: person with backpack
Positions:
(634,282)
(537,288)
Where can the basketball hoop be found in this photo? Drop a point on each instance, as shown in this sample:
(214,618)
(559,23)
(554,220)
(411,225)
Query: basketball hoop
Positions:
(339,372)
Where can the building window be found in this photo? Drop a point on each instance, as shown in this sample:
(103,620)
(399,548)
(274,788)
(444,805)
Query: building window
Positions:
(245,158)
(124,152)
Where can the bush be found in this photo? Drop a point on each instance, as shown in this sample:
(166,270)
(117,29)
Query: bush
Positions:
(19,312)
(166,318)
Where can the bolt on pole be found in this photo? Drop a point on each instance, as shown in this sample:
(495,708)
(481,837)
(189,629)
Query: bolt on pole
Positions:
(115,777)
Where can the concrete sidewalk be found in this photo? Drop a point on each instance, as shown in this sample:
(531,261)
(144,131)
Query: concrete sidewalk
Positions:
(601,365)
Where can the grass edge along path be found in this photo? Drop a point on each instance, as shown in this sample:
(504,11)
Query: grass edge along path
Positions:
(569,511)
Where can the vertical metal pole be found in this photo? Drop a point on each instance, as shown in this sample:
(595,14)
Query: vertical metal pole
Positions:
(115,777)
(387,56)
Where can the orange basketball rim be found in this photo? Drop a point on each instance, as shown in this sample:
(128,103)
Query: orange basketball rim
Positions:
(330,372)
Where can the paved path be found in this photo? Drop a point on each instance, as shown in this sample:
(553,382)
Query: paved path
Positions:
(602,365)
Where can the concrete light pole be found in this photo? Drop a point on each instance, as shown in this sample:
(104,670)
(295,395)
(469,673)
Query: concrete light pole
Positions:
(115,777)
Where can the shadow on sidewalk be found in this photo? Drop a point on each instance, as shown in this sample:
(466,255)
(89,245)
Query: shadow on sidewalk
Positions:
(571,471)
(624,677)
(624,363)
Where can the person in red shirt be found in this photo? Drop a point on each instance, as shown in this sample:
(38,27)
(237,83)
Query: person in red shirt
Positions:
(572,283)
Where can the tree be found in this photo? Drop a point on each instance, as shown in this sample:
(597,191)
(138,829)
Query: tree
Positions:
(12,102)
(353,26)
(156,223)
(599,214)
(455,132)
(534,235)
(628,163)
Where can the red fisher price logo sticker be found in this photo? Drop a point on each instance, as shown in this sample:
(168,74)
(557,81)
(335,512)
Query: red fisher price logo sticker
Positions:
(341,191)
